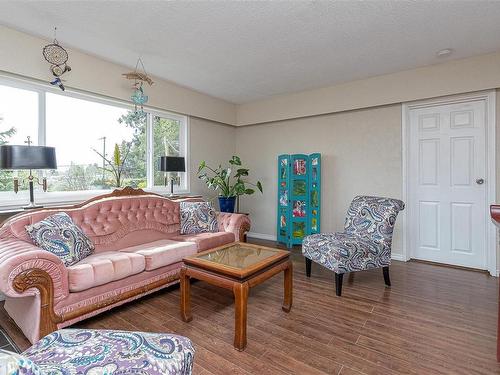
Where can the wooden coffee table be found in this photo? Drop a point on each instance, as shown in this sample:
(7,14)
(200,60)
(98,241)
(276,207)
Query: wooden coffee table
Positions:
(237,267)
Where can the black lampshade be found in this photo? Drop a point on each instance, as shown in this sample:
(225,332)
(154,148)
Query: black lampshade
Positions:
(27,157)
(172,164)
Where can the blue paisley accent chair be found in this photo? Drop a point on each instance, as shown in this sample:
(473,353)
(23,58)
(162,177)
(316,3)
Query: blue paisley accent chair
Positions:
(364,244)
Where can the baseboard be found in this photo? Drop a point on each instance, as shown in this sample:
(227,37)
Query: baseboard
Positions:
(262,236)
(398,257)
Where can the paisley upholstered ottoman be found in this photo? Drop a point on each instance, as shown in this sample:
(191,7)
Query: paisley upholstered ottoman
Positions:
(105,352)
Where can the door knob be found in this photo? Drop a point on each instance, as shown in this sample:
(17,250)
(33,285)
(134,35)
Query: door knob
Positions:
(480,181)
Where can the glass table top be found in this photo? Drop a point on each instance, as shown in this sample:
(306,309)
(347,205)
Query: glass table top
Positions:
(239,256)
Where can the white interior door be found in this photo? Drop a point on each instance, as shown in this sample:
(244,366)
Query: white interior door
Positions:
(447,183)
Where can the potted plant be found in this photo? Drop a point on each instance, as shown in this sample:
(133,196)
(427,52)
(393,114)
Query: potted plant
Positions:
(228,184)
(116,165)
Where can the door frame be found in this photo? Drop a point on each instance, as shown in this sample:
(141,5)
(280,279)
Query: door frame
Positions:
(489,98)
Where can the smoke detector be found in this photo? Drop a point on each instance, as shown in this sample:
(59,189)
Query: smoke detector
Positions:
(444,52)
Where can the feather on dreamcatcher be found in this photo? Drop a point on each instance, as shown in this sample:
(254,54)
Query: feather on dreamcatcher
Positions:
(138,97)
(57,57)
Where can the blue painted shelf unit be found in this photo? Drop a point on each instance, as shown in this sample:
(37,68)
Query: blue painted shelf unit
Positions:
(299,197)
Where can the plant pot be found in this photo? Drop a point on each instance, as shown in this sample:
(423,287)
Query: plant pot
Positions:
(226,204)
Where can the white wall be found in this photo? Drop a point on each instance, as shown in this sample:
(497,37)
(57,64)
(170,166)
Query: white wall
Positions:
(210,138)
(212,142)
(361,154)
(448,78)
(21,54)
(361,148)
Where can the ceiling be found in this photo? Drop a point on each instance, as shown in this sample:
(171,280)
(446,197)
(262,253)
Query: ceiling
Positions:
(246,51)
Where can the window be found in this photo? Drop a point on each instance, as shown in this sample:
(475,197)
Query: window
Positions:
(167,141)
(86,135)
(100,143)
(18,120)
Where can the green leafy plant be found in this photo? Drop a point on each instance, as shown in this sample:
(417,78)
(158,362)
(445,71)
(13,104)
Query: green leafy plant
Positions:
(116,165)
(225,181)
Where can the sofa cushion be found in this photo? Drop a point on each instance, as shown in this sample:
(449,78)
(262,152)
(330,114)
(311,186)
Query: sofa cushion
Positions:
(102,268)
(60,236)
(205,241)
(162,253)
(198,217)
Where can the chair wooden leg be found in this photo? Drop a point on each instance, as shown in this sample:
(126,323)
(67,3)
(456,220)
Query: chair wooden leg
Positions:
(387,279)
(338,283)
(308,267)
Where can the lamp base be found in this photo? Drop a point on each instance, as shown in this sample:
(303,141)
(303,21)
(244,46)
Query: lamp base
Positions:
(32,206)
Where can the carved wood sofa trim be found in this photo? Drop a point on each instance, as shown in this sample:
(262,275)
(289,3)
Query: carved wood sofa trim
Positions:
(40,280)
(244,229)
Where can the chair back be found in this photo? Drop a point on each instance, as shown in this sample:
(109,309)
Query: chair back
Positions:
(373,217)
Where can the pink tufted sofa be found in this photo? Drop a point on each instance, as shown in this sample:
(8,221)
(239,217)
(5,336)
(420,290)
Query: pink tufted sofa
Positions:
(138,250)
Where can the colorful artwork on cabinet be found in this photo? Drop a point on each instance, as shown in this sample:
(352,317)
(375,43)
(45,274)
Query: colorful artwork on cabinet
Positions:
(299,167)
(314,224)
(314,198)
(299,187)
(299,229)
(283,221)
(284,197)
(299,209)
(299,184)
(283,168)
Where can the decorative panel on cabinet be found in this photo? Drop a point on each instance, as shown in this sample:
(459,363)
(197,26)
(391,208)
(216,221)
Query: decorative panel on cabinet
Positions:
(299,197)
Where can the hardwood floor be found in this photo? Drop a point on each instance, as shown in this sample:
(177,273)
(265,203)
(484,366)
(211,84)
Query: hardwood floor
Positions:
(433,320)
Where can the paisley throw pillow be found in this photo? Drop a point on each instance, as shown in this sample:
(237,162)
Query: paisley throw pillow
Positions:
(198,217)
(14,364)
(60,236)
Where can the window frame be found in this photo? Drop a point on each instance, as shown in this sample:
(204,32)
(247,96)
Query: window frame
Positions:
(12,200)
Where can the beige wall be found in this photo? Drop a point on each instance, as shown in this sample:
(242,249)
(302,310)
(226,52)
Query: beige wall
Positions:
(451,77)
(212,142)
(361,148)
(21,54)
(361,154)
(361,151)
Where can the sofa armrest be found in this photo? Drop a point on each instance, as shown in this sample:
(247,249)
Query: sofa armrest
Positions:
(238,224)
(25,267)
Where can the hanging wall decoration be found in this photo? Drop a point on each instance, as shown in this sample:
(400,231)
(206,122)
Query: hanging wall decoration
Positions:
(139,98)
(57,57)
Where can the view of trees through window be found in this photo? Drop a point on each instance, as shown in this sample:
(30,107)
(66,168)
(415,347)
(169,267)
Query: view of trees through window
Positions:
(98,145)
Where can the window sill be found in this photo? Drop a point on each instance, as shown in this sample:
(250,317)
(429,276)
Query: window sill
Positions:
(15,202)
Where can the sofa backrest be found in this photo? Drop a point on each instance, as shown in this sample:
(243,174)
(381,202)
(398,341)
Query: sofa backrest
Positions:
(112,222)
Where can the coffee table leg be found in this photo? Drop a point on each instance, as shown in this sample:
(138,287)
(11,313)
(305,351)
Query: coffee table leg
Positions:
(185,296)
(287,300)
(240,291)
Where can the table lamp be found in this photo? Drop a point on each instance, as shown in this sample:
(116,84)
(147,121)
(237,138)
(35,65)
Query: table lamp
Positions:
(29,157)
(171,164)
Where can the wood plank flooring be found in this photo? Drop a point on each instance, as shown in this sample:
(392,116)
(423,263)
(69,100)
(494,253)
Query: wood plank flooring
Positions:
(433,320)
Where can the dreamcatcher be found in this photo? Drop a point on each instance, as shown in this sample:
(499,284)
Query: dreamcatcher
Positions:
(139,98)
(57,57)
